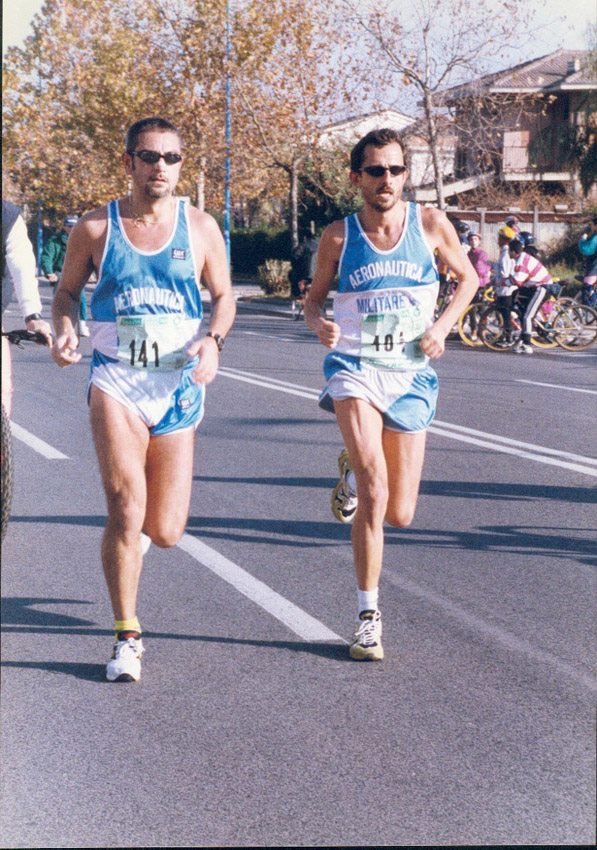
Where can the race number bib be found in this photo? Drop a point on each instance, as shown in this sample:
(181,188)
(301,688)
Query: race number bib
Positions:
(151,342)
(391,340)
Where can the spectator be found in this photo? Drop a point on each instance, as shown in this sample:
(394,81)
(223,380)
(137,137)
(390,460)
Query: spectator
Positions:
(302,266)
(52,260)
(18,278)
(482,265)
(587,245)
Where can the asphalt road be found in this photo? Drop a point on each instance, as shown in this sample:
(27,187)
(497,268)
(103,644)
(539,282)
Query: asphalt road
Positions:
(250,726)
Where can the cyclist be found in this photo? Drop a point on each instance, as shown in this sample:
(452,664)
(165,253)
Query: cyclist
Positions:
(18,277)
(532,279)
(503,284)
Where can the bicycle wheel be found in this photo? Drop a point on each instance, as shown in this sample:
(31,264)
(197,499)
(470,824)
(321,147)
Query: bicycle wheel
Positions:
(491,330)
(468,325)
(575,327)
(6,473)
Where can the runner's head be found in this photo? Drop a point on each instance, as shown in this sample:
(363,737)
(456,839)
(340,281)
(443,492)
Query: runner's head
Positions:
(378,139)
(515,247)
(153,158)
(145,125)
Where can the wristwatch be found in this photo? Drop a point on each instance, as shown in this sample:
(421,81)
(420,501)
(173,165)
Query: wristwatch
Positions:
(32,317)
(219,340)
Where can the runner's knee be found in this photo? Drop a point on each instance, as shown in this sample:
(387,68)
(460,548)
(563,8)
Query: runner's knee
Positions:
(400,516)
(166,533)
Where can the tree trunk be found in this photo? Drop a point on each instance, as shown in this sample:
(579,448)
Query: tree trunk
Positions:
(293,204)
(435,154)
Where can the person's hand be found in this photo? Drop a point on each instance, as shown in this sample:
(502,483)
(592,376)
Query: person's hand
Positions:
(328,332)
(53,278)
(433,342)
(64,350)
(42,327)
(206,350)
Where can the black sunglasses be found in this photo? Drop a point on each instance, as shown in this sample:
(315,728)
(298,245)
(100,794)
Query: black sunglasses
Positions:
(151,157)
(380,170)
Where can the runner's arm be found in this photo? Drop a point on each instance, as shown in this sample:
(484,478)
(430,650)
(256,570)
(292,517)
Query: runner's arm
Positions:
(328,258)
(216,275)
(78,265)
(442,236)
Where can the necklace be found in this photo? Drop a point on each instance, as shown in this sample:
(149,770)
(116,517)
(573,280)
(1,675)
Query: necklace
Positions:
(139,220)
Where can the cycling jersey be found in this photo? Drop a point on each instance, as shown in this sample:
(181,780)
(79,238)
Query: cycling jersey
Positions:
(528,271)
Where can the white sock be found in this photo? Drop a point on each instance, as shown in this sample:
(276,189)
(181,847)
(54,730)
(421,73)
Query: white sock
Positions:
(367,600)
(145,543)
(352,482)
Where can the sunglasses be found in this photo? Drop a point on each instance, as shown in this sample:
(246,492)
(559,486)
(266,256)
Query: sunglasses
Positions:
(152,157)
(380,170)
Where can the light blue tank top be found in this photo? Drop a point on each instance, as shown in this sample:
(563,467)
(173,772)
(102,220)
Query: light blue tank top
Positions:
(147,300)
(132,282)
(409,263)
(386,299)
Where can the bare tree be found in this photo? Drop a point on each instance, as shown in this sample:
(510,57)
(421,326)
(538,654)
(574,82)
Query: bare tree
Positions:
(438,44)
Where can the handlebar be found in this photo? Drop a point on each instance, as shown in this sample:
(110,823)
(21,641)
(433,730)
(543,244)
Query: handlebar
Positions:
(17,337)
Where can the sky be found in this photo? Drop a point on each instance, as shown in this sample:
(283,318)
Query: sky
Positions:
(570,33)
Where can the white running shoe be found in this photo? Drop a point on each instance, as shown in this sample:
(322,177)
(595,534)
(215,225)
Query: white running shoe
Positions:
(84,328)
(125,664)
(523,348)
(366,644)
(344,501)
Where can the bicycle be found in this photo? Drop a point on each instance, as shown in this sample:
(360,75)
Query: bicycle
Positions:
(16,337)
(468,323)
(562,324)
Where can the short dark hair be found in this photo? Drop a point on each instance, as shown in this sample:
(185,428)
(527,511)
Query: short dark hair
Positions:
(377,138)
(145,124)
(515,245)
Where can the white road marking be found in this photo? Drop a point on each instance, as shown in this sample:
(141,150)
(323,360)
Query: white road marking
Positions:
(293,617)
(556,386)
(495,442)
(45,449)
(508,640)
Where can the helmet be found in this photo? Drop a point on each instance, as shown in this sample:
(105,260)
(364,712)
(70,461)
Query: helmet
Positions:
(526,238)
(507,232)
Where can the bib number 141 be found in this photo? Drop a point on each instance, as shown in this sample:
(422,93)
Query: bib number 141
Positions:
(150,342)
(141,359)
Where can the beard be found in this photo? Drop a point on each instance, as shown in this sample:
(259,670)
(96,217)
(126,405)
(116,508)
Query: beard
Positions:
(157,190)
(383,203)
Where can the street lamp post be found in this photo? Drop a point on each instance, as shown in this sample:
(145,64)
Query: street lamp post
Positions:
(228,137)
